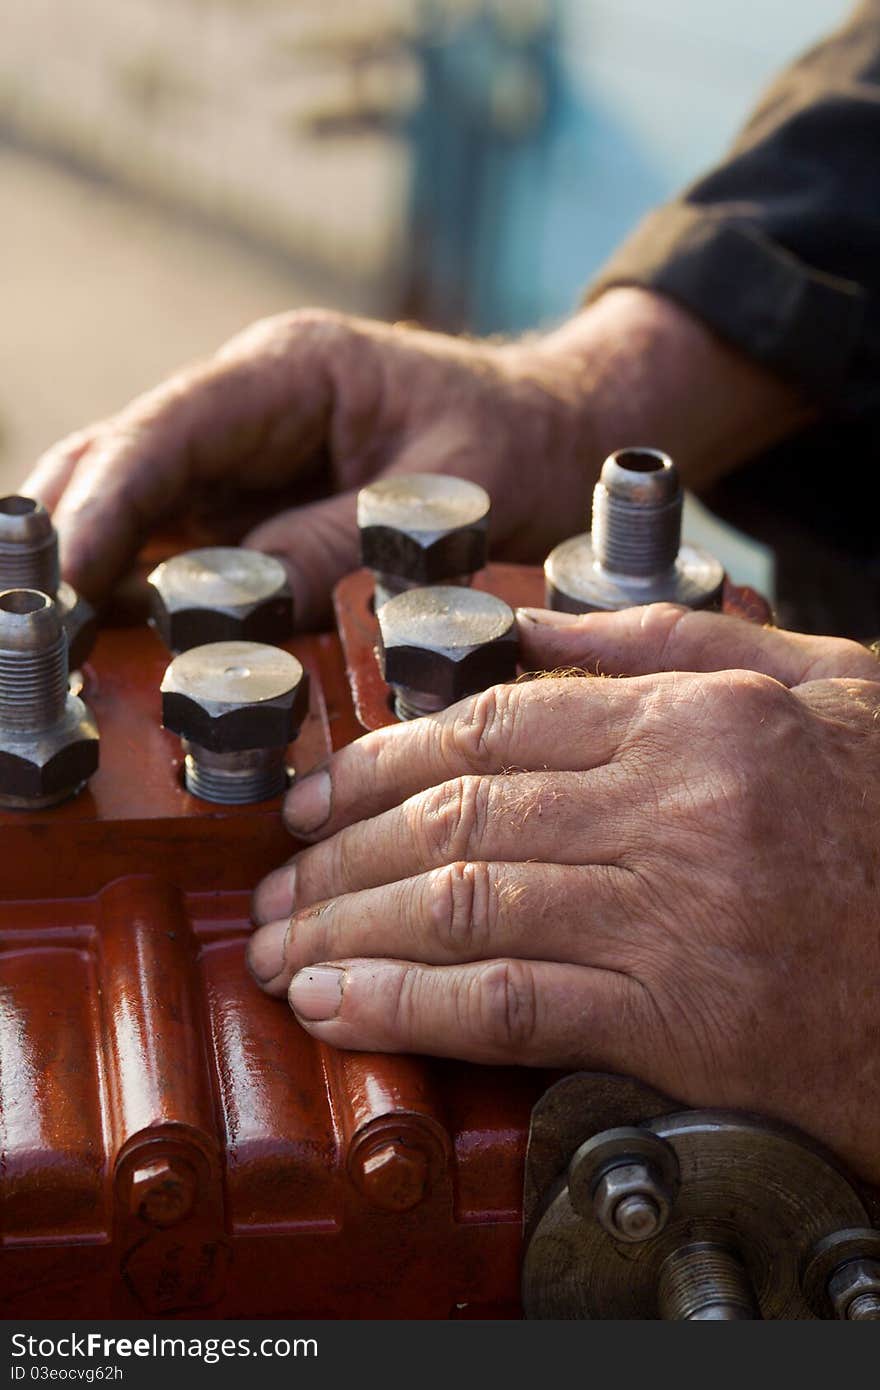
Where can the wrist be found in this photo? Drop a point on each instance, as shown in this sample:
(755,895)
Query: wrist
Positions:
(649,372)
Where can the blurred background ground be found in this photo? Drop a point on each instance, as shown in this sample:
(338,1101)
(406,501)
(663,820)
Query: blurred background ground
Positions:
(172,169)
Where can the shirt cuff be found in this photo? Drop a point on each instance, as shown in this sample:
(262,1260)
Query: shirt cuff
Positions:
(796,320)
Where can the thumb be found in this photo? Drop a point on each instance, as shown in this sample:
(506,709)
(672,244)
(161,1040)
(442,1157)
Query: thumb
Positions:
(317,545)
(665,637)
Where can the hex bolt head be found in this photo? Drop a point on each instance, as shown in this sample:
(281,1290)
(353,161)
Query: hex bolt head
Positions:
(29,560)
(48,738)
(163,1192)
(236,706)
(854,1291)
(633,553)
(440,644)
(394,1176)
(626,1179)
(423,528)
(220,594)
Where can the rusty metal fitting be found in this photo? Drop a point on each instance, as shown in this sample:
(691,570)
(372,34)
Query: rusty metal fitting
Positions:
(626,1178)
(29,560)
(422,528)
(220,594)
(634,552)
(854,1291)
(236,706)
(705,1282)
(163,1191)
(394,1176)
(437,645)
(842,1275)
(48,739)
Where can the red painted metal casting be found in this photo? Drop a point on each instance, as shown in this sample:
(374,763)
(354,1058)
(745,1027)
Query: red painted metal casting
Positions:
(171,1142)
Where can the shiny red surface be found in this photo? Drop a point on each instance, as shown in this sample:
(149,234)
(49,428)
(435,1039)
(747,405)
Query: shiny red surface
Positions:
(133,1043)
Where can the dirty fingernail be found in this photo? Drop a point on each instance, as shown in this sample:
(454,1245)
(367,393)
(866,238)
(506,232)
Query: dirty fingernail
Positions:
(548,617)
(265,952)
(307,806)
(316,994)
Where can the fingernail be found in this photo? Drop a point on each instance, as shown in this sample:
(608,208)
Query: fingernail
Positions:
(548,617)
(316,994)
(307,806)
(265,952)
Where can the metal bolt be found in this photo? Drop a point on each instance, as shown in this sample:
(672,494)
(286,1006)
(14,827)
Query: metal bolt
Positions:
(163,1192)
(29,560)
(854,1291)
(220,594)
(236,706)
(437,645)
(633,554)
(48,739)
(704,1282)
(627,1179)
(422,528)
(395,1176)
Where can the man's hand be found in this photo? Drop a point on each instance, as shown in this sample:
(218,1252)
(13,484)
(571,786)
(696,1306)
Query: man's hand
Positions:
(313,397)
(673,875)
(311,390)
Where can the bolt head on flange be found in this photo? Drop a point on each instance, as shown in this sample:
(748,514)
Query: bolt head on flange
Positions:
(232,696)
(163,1191)
(220,594)
(395,1176)
(423,528)
(626,1178)
(448,641)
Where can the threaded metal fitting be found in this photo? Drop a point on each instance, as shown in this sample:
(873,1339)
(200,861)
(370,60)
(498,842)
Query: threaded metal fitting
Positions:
(439,644)
(634,553)
(220,594)
(48,739)
(29,560)
(236,706)
(422,528)
(704,1282)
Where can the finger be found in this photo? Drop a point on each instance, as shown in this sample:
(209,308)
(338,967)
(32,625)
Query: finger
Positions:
(215,420)
(509,726)
(554,818)
(54,469)
(499,1011)
(317,545)
(665,637)
(462,912)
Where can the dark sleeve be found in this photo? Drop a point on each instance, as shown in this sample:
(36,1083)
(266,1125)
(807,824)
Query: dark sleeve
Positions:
(778,249)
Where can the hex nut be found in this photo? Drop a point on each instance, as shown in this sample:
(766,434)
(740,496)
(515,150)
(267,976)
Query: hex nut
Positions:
(424,528)
(220,594)
(80,622)
(395,1176)
(627,1179)
(163,1191)
(855,1288)
(45,768)
(231,696)
(449,641)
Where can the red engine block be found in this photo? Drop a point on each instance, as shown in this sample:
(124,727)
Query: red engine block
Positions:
(171,1142)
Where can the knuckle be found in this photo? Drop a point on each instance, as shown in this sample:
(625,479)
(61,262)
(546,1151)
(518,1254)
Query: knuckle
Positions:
(660,624)
(478,734)
(454,817)
(748,698)
(507,1006)
(464,907)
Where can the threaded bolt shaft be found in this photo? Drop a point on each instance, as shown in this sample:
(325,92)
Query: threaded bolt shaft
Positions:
(413,704)
(637,506)
(33,662)
(704,1282)
(28,546)
(234,779)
